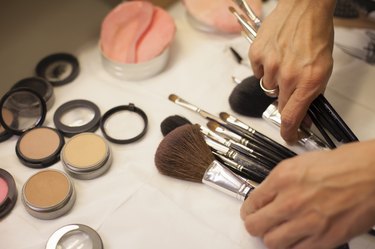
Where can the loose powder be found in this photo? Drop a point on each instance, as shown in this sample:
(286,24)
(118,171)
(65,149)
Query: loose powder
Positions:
(85,150)
(39,143)
(47,189)
(3,190)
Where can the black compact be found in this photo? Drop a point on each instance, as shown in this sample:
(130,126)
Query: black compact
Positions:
(8,193)
(58,69)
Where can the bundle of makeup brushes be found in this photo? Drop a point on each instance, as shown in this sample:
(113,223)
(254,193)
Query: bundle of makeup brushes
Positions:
(243,150)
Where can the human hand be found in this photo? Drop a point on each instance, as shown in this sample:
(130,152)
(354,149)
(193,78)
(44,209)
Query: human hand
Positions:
(293,51)
(315,200)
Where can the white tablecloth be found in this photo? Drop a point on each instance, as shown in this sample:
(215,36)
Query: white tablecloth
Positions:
(132,205)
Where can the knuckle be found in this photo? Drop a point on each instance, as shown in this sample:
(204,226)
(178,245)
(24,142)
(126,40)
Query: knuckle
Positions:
(251,228)
(270,241)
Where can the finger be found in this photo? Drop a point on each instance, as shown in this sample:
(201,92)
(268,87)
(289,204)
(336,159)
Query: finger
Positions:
(257,199)
(271,68)
(256,61)
(291,232)
(292,115)
(266,218)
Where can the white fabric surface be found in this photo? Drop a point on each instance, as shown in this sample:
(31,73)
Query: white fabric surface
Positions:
(132,205)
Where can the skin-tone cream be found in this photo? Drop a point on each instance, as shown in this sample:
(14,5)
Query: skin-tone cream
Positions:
(40,147)
(86,156)
(48,194)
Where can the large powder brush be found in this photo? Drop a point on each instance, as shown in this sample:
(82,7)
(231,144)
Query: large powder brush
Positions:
(173,157)
(183,154)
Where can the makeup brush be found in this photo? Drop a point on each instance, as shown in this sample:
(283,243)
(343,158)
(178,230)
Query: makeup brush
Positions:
(277,148)
(240,148)
(248,99)
(213,126)
(238,169)
(172,122)
(183,154)
(181,102)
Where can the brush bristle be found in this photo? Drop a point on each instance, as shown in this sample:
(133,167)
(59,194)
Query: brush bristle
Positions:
(172,122)
(173,97)
(184,154)
(248,99)
(224,116)
(212,125)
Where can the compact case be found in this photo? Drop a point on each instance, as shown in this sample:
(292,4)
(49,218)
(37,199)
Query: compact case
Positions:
(8,193)
(37,146)
(86,156)
(58,69)
(135,40)
(75,236)
(48,194)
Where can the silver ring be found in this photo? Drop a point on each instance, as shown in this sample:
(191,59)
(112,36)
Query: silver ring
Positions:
(269,92)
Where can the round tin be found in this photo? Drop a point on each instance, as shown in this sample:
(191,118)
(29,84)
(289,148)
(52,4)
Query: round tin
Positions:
(86,156)
(48,194)
(75,236)
(136,71)
(8,193)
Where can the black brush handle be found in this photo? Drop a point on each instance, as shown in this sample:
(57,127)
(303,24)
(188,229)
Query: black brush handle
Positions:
(250,164)
(325,105)
(319,125)
(285,151)
(254,156)
(265,147)
(257,143)
(327,122)
(272,156)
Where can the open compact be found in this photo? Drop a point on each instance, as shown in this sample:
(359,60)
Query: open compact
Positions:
(58,69)
(77,116)
(23,113)
(75,236)
(48,194)
(86,156)
(39,85)
(8,193)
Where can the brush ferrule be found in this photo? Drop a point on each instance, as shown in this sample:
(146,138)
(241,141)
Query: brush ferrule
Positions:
(215,136)
(249,12)
(222,149)
(184,103)
(237,123)
(221,178)
(307,138)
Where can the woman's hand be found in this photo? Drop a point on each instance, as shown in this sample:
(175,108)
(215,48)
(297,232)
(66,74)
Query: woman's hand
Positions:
(315,200)
(293,51)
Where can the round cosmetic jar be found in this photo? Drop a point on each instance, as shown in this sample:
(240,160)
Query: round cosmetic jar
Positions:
(86,156)
(48,194)
(135,40)
(75,236)
(8,193)
(39,85)
(58,69)
(40,147)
